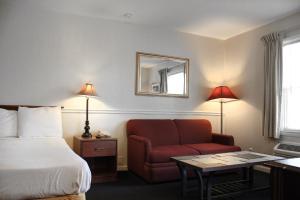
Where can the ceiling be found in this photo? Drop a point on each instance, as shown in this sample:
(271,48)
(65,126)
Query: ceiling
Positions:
(220,19)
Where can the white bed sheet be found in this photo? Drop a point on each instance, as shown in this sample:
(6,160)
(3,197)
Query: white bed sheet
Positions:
(40,167)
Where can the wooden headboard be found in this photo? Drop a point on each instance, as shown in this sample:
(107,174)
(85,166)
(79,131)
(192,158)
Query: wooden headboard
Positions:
(15,107)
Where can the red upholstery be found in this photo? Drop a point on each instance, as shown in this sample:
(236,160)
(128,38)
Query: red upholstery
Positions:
(159,172)
(159,132)
(192,131)
(138,153)
(151,143)
(222,139)
(162,154)
(210,148)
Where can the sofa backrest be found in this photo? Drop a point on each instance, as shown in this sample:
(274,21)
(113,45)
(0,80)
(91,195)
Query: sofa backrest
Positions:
(158,131)
(193,131)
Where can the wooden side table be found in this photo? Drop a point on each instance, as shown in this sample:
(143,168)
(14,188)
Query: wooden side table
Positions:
(101,156)
(285,176)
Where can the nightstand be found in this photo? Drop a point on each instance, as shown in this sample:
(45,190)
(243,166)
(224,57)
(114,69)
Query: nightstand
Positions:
(101,156)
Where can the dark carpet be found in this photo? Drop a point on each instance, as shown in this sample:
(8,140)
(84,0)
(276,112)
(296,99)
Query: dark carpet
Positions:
(131,187)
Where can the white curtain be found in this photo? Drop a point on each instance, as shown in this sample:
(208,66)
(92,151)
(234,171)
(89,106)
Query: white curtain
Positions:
(163,80)
(272,85)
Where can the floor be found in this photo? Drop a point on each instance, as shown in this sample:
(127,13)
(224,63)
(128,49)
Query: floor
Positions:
(131,187)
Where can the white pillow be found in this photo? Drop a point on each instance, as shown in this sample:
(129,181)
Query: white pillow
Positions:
(8,123)
(40,122)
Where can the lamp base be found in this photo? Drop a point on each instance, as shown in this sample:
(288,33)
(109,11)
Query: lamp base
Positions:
(87,133)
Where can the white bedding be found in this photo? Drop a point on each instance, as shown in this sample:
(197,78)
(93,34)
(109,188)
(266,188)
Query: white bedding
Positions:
(40,167)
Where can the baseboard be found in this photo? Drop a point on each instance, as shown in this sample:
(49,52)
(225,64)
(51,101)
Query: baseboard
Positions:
(262,169)
(122,168)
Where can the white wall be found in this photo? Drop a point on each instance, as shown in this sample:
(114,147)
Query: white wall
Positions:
(45,57)
(244,71)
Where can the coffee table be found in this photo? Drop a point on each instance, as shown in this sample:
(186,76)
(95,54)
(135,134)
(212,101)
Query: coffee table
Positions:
(213,163)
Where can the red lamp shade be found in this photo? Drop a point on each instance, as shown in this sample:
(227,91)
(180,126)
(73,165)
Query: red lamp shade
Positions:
(222,94)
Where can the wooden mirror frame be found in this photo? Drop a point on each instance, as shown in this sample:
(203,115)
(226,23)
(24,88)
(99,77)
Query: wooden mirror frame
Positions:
(138,75)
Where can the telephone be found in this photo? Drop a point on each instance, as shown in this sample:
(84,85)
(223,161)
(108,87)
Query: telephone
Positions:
(98,134)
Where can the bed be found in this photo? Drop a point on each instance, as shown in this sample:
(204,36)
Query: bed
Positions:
(41,168)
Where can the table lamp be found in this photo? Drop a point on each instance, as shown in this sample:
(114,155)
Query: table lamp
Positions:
(87,90)
(222,94)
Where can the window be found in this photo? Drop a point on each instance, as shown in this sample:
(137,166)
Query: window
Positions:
(290,109)
(176,83)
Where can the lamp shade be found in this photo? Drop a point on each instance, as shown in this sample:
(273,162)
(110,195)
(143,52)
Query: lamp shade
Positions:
(222,94)
(88,90)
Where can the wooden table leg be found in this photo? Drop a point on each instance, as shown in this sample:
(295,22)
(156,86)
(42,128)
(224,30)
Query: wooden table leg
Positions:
(183,173)
(201,184)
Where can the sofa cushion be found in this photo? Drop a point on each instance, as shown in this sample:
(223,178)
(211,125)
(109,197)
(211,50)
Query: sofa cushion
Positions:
(210,148)
(194,131)
(162,154)
(159,132)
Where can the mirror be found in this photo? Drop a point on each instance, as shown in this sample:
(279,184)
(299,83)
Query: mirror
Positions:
(159,75)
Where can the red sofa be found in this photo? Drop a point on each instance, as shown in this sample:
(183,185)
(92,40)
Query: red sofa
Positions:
(152,142)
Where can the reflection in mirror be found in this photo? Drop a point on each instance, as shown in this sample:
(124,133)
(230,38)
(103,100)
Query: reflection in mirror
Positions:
(162,75)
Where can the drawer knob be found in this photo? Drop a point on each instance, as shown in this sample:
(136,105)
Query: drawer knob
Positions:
(99,149)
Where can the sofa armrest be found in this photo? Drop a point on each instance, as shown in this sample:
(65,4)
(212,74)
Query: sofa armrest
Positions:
(138,153)
(141,144)
(223,139)
(138,149)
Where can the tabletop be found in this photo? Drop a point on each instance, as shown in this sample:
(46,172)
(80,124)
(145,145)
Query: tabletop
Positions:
(223,161)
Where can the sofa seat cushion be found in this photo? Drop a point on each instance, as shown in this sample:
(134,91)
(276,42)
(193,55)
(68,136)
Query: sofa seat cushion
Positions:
(161,154)
(210,148)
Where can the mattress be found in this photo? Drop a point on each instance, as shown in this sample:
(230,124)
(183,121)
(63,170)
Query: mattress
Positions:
(40,168)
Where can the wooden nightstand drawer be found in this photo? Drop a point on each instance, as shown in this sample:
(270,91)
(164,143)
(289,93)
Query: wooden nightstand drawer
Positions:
(98,148)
